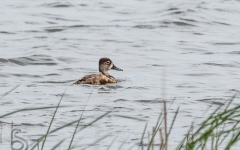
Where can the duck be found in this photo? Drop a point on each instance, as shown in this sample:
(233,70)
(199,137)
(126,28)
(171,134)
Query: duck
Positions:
(104,65)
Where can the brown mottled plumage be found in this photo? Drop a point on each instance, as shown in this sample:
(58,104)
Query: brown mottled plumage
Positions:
(103,77)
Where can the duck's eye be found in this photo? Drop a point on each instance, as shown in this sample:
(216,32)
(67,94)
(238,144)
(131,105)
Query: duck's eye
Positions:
(107,62)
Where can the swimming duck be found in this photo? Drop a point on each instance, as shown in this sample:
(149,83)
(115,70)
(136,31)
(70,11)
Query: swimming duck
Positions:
(103,77)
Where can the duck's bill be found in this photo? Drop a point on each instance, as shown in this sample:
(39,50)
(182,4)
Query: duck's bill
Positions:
(116,68)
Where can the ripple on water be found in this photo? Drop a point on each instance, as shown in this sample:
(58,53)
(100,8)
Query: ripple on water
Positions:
(25,75)
(201,74)
(54,30)
(234,52)
(58,5)
(5,32)
(30,60)
(145,27)
(115,109)
(30,124)
(57,82)
(227,43)
(6,103)
(2,60)
(67,59)
(149,101)
(215,101)
(222,65)
(181,23)
(120,100)
(137,87)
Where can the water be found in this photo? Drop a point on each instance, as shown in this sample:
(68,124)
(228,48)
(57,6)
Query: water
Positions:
(182,50)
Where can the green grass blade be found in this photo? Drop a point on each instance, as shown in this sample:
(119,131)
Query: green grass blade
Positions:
(29,109)
(8,92)
(55,130)
(98,118)
(95,142)
(233,141)
(123,142)
(144,131)
(69,147)
(132,147)
(46,135)
(111,143)
(58,144)
(127,117)
(174,119)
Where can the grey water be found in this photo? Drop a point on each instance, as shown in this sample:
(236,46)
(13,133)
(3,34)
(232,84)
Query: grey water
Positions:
(183,50)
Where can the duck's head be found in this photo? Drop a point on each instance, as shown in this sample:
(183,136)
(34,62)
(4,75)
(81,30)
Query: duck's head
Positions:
(106,64)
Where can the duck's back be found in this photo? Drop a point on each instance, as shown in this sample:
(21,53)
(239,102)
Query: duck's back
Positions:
(96,79)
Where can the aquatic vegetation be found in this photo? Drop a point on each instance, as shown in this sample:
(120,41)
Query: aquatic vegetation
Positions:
(220,130)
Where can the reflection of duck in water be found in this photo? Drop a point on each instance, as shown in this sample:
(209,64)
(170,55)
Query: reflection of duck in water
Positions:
(19,140)
(103,77)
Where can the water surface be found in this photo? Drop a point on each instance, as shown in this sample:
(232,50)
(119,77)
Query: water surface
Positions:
(182,50)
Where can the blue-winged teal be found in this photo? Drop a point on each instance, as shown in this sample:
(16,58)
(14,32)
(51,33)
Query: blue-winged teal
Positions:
(103,77)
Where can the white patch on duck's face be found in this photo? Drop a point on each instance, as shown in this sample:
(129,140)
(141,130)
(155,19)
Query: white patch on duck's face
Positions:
(104,67)
(111,66)
(108,65)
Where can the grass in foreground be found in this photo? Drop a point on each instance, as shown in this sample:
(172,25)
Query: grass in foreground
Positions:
(220,130)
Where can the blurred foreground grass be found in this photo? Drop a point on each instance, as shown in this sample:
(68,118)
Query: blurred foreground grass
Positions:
(220,130)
